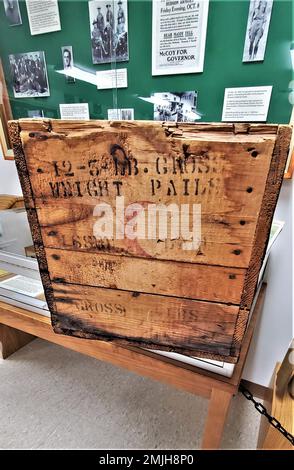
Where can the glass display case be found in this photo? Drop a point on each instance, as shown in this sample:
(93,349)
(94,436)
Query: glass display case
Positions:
(20,282)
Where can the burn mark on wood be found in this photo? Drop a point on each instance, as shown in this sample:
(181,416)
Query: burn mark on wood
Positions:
(21,164)
(232,276)
(59,280)
(186,150)
(237,252)
(38,135)
(222,222)
(118,153)
(55,256)
(72,326)
(65,300)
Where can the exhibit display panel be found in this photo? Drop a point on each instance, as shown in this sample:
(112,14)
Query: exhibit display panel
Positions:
(166,70)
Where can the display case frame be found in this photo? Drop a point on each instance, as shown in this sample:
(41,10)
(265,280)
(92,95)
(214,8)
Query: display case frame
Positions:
(5,116)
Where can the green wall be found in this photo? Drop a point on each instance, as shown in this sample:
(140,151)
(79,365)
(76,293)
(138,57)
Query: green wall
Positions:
(223,65)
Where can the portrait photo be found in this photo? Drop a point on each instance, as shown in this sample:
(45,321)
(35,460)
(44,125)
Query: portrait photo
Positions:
(67,61)
(29,74)
(12,12)
(109,31)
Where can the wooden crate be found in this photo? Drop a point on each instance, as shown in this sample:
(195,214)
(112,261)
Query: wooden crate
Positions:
(151,292)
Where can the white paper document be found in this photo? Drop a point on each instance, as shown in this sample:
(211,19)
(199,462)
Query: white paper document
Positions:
(178,36)
(23,285)
(74,111)
(124,114)
(246,104)
(117,78)
(43,16)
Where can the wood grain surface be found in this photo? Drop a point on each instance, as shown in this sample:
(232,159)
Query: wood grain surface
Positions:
(151,291)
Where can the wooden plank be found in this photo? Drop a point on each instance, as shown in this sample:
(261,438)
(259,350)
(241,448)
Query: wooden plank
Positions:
(68,215)
(226,239)
(188,280)
(180,375)
(242,347)
(164,369)
(149,320)
(164,169)
(11,340)
(225,128)
(269,201)
(281,406)
(215,421)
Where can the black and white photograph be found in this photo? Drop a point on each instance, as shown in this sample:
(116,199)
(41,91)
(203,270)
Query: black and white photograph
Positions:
(109,31)
(29,74)
(127,114)
(257,30)
(124,114)
(12,12)
(179,107)
(67,61)
(35,113)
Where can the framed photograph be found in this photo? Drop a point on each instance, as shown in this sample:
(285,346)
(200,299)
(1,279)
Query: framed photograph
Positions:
(178,36)
(12,12)
(35,113)
(178,107)
(109,31)
(124,114)
(257,30)
(68,62)
(29,75)
(5,116)
(127,114)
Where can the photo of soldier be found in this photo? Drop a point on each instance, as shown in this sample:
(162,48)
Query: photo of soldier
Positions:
(109,16)
(109,31)
(12,12)
(257,30)
(29,74)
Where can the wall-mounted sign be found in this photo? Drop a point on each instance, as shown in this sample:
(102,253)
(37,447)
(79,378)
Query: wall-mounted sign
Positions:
(246,104)
(178,36)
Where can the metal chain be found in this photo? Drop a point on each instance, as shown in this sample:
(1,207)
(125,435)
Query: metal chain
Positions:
(263,411)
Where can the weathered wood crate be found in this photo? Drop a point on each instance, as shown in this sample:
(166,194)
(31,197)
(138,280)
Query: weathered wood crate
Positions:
(150,291)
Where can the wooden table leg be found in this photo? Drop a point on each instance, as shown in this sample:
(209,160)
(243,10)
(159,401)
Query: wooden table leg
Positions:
(11,340)
(216,417)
